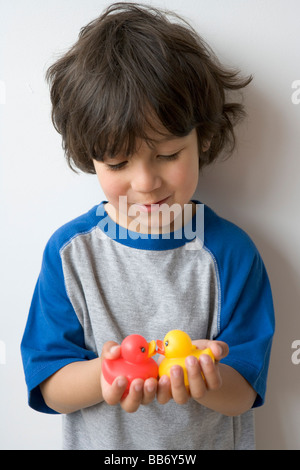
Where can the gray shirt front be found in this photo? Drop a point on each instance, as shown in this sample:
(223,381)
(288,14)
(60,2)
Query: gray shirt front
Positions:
(107,288)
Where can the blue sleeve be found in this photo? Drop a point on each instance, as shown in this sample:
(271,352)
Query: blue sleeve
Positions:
(246,316)
(53,335)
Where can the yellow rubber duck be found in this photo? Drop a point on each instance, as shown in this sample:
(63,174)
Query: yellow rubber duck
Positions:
(176,346)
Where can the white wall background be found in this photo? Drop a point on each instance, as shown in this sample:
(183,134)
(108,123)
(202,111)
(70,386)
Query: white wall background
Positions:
(258,188)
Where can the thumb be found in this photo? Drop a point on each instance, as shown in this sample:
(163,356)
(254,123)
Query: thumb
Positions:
(111,350)
(218,348)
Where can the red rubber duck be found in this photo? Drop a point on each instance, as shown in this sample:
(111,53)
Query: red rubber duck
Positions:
(134,362)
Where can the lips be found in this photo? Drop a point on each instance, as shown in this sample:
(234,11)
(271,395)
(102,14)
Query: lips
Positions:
(152,203)
(152,206)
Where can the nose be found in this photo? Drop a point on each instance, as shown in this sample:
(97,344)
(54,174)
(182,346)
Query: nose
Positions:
(145,178)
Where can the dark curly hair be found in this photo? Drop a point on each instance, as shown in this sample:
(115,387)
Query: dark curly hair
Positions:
(132,67)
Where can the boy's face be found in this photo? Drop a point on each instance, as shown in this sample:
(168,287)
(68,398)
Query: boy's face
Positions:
(163,175)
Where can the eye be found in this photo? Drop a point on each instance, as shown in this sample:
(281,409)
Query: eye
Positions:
(166,343)
(143,349)
(117,167)
(173,156)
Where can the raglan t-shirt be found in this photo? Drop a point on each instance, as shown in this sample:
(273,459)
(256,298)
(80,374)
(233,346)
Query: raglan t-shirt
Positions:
(101,282)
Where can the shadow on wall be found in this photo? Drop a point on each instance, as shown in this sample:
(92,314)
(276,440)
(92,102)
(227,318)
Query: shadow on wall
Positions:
(250,175)
(278,419)
(244,189)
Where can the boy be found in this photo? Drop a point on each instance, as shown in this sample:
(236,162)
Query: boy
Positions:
(142,102)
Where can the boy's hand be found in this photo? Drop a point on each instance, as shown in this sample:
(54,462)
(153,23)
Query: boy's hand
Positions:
(175,388)
(140,393)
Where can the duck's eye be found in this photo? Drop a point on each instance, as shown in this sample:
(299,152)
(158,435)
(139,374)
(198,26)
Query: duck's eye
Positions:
(143,349)
(166,343)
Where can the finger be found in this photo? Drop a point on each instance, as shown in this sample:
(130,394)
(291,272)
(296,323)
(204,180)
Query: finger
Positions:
(211,372)
(164,393)
(179,392)
(150,387)
(197,384)
(113,393)
(134,398)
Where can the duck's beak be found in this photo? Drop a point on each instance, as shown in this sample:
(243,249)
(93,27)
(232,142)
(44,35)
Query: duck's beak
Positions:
(152,348)
(160,347)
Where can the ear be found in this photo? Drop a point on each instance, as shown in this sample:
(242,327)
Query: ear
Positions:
(206,145)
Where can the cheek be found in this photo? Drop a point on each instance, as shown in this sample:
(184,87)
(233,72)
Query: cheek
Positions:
(185,177)
(112,186)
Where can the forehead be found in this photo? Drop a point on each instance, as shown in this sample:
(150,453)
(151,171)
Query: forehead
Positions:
(169,143)
(141,128)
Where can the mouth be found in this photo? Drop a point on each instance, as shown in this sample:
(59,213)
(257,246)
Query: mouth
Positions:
(152,206)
